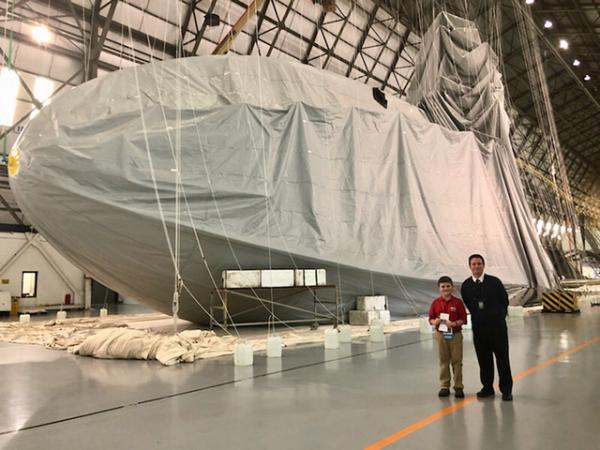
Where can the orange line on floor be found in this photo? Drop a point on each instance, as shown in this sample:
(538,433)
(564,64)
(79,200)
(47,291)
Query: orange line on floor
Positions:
(388,440)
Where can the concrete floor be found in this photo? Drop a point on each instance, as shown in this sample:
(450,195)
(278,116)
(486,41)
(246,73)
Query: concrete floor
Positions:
(312,398)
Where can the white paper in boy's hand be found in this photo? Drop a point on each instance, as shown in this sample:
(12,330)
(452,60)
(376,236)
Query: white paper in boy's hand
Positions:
(444,316)
(443,327)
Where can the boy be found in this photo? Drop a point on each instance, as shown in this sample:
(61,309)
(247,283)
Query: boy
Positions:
(447,313)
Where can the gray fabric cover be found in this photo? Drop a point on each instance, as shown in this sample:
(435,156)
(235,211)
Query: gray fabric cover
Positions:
(282,165)
(458,85)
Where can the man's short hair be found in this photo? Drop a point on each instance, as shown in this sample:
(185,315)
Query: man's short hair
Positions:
(445,279)
(476,255)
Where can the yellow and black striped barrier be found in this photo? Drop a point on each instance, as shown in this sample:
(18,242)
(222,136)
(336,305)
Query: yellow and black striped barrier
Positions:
(559,302)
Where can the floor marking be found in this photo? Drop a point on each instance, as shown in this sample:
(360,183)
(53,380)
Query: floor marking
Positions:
(392,438)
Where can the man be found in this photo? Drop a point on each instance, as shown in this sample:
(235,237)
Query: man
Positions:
(447,313)
(487,301)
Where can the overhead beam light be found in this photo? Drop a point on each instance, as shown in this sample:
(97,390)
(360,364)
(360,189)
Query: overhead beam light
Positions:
(576,62)
(529,2)
(41,34)
(563,44)
(548,24)
(587,78)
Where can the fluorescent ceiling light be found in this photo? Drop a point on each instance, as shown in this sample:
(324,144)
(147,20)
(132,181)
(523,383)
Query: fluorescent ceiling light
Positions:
(576,63)
(563,44)
(548,24)
(529,2)
(41,34)
(9,84)
(587,78)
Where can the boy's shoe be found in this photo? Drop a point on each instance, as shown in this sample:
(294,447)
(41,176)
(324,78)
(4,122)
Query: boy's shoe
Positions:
(485,393)
(459,393)
(444,392)
(507,397)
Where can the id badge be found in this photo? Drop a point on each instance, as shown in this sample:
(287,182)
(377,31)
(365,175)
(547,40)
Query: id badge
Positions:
(481,305)
(448,335)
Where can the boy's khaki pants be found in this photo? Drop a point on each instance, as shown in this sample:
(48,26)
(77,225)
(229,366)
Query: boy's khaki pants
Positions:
(450,353)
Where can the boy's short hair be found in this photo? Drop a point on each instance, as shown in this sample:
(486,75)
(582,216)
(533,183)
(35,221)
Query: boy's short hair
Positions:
(445,279)
(476,255)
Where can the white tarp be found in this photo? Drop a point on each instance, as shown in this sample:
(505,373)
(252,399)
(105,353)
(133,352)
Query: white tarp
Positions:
(283,166)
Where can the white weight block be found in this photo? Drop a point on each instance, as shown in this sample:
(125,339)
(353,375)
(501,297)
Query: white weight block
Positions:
(274,347)
(376,331)
(243,354)
(332,340)
(370,303)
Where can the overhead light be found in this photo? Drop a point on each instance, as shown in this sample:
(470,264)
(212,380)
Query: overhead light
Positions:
(529,2)
(587,78)
(9,84)
(42,90)
(576,63)
(548,24)
(563,44)
(41,34)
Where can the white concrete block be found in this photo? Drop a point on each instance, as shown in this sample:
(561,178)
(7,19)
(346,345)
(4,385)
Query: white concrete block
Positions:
(61,315)
(516,311)
(371,302)
(277,278)
(385,317)
(367,317)
(241,279)
(362,317)
(24,318)
(103,312)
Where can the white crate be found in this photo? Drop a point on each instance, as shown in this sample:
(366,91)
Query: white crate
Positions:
(371,302)
(298,277)
(367,317)
(277,278)
(241,279)
(310,277)
(321,277)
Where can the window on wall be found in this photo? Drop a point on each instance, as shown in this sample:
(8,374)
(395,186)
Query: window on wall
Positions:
(29,284)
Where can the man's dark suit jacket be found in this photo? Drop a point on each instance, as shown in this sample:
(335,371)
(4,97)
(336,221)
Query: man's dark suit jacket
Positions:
(494,297)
